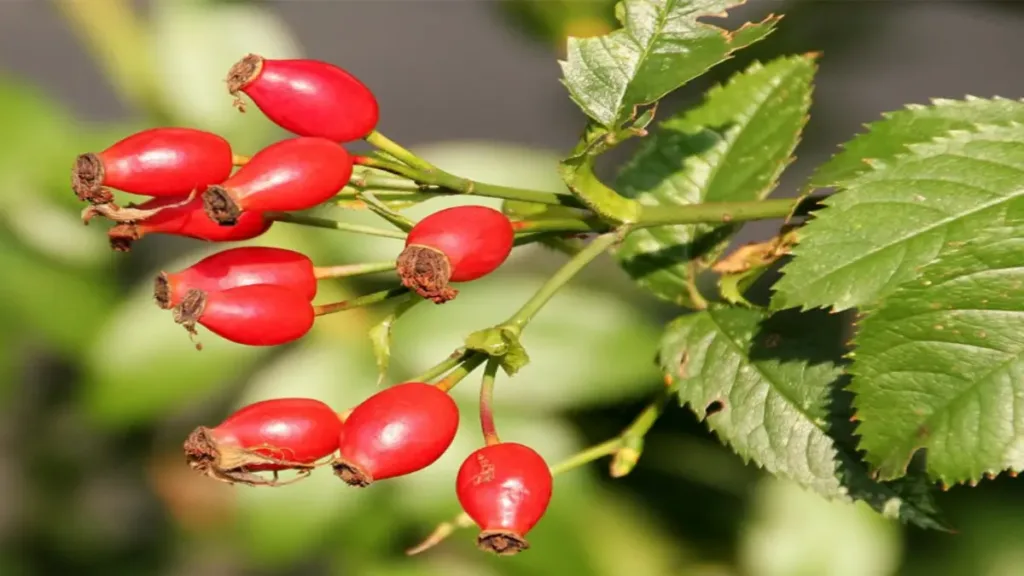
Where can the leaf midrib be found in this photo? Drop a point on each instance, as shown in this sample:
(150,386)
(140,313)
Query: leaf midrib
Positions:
(645,52)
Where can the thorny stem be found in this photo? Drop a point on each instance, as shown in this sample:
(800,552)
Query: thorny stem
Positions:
(471,362)
(453,360)
(349,270)
(575,264)
(487,403)
(368,299)
(318,222)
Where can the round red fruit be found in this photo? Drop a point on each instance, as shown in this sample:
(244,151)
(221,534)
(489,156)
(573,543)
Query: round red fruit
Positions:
(293,174)
(454,245)
(238,267)
(254,315)
(272,435)
(189,219)
(307,97)
(395,432)
(154,162)
(505,489)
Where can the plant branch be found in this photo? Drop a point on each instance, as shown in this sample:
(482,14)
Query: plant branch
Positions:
(471,362)
(487,403)
(349,270)
(318,222)
(571,268)
(453,360)
(367,300)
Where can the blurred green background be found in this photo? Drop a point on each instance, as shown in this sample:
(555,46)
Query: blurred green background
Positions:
(98,387)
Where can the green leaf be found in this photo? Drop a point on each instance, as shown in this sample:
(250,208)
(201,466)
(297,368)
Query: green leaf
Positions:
(731,148)
(888,222)
(939,365)
(888,138)
(660,47)
(770,385)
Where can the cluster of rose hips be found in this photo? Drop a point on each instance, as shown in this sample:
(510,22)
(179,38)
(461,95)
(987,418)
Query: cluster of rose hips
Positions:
(262,296)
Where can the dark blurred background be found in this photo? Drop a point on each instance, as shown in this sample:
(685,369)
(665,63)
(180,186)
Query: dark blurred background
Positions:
(98,387)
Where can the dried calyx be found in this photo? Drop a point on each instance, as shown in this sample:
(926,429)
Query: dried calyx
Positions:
(87,180)
(426,271)
(220,207)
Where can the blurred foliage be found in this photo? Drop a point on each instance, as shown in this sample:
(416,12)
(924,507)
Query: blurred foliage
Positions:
(98,387)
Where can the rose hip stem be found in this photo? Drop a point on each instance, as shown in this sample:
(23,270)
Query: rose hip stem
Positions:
(349,270)
(239,160)
(367,300)
(487,403)
(471,362)
(453,360)
(316,222)
(638,428)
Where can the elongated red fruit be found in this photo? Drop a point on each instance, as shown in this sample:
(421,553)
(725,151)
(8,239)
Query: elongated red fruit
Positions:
(395,432)
(454,245)
(154,162)
(238,267)
(188,220)
(294,174)
(505,489)
(255,315)
(272,435)
(307,97)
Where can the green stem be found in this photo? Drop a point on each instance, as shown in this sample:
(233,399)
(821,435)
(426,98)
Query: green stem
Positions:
(453,360)
(716,212)
(367,300)
(388,145)
(318,222)
(119,42)
(349,270)
(487,403)
(471,362)
(566,225)
(597,247)
(606,448)
(380,209)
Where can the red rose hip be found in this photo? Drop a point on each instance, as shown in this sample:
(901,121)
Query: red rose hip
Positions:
(272,435)
(454,245)
(307,97)
(154,162)
(505,488)
(395,432)
(238,267)
(254,315)
(189,220)
(294,174)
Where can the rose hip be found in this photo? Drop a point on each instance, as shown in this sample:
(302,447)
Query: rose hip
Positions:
(505,488)
(188,220)
(272,435)
(454,245)
(395,432)
(154,162)
(294,174)
(307,97)
(254,315)
(238,267)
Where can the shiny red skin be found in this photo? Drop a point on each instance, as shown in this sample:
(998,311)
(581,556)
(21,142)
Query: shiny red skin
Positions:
(191,220)
(400,430)
(243,267)
(301,430)
(258,315)
(166,162)
(476,239)
(313,98)
(506,487)
(293,174)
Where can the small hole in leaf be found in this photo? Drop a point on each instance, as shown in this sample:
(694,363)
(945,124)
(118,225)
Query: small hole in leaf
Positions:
(714,408)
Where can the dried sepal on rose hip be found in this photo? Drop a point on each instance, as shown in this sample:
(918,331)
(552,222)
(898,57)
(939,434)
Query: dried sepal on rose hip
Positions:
(457,244)
(180,216)
(397,431)
(268,436)
(306,97)
(236,267)
(293,174)
(505,488)
(254,315)
(154,162)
